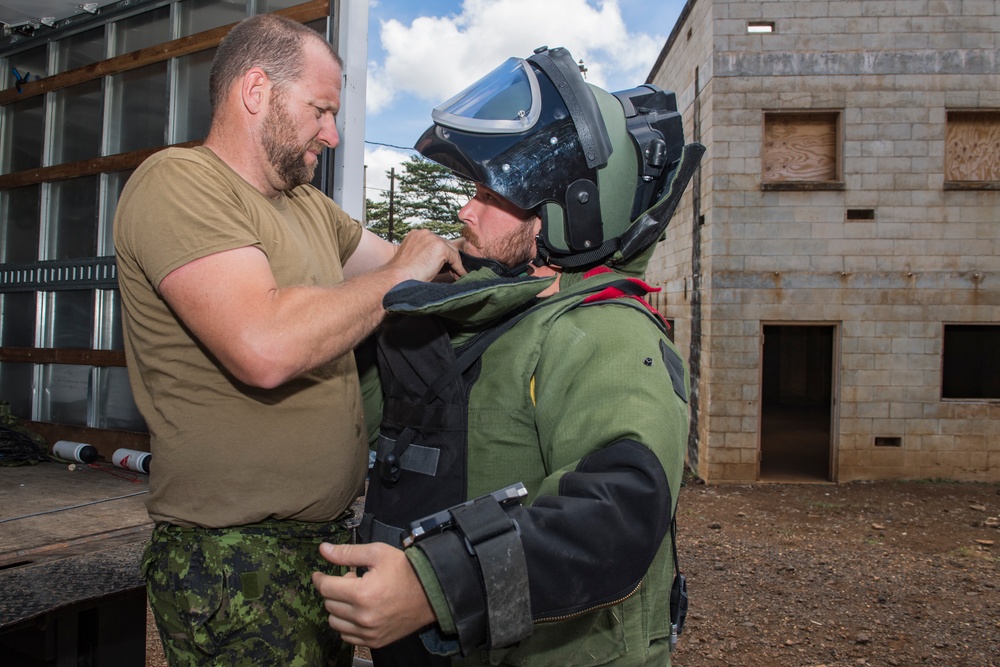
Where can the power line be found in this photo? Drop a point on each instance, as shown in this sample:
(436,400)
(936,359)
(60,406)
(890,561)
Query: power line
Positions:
(402,148)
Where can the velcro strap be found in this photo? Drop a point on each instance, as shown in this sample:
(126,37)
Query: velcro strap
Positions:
(373,530)
(426,415)
(504,571)
(505,578)
(481,520)
(416,458)
(461,582)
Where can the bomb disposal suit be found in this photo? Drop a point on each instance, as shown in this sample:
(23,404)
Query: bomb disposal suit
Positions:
(530,451)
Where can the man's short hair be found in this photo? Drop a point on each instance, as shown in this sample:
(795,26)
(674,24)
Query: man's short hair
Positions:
(273,43)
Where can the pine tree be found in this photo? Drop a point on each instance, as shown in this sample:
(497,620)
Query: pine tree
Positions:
(427,196)
(377,218)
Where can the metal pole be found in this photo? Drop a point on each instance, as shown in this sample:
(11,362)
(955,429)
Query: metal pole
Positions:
(392,192)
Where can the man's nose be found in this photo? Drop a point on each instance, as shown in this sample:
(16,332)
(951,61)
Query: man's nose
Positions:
(328,134)
(465,212)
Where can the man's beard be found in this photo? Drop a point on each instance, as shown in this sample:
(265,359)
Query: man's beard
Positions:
(280,143)
(512,250)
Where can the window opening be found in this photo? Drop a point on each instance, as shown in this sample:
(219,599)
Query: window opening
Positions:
(760,27)
(971,361)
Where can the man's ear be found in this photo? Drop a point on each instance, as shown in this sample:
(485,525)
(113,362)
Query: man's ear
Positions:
(255,90)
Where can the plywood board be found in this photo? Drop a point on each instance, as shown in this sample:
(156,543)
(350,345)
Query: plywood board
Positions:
(972,149)
(800,147)
(48,511)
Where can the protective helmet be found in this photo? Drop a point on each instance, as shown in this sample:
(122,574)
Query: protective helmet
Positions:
(588,161)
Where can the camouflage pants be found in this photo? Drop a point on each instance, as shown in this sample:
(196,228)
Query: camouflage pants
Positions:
(243,596)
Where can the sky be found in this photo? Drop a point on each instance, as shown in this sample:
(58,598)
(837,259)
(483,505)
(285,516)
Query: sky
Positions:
(422,52)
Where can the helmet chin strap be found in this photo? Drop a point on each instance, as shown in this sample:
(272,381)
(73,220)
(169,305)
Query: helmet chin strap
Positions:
(585,259)
(472,263)
(541,254)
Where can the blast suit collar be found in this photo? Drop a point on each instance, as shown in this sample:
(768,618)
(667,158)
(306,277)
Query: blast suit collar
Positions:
(476,299)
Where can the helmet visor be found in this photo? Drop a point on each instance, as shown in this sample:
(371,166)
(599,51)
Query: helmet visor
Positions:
(505,100)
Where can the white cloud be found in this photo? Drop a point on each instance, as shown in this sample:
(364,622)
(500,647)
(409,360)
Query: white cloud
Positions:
(378,161)
(435,57)
(379,90)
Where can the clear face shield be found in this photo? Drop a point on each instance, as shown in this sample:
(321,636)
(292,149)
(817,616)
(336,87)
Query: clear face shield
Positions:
(532,131)
(505,101)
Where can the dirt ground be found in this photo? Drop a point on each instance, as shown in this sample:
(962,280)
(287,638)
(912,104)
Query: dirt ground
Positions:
(856,574)
(886,573)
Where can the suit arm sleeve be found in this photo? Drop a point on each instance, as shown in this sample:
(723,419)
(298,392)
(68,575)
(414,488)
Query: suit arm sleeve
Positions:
(612,423)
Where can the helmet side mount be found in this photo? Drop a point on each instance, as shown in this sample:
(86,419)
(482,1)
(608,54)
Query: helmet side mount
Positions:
(564,73)
(653,123)
(584,229)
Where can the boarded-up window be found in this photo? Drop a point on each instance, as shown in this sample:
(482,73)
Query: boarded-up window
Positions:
(972,151)
(801,148)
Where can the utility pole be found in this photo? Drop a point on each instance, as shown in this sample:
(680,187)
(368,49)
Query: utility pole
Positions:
(392,192)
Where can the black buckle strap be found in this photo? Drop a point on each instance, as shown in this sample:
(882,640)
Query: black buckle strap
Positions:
(485,562)
(494,540)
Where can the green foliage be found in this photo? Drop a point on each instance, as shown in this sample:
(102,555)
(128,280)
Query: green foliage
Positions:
(426,196)
(377,217)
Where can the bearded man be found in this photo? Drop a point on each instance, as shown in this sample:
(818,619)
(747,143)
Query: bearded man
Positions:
(534,413)
(244,290)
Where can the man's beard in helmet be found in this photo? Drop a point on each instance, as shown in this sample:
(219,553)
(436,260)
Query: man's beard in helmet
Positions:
(286,157)
(514,249)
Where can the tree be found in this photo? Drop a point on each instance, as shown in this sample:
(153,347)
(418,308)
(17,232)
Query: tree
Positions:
(377,218)
(427,196)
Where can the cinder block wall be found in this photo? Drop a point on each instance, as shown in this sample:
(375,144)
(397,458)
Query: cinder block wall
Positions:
(892,70)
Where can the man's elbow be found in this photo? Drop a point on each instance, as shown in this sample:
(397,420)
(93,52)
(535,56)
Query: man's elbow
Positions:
(266,380)
(262,369)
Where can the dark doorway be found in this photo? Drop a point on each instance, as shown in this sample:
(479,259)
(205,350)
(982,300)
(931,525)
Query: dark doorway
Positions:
(796,403)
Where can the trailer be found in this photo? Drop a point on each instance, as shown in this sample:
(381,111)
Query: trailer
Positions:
(71,543)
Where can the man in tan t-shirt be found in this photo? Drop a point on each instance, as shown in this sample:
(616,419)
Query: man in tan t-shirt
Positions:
(244,291)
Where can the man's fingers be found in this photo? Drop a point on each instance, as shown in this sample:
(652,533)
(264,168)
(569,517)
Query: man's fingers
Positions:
(427,253)
(331,553)
(380,607)
(349,631)
(344,613)
(349,555)
(456,265)
(330,587)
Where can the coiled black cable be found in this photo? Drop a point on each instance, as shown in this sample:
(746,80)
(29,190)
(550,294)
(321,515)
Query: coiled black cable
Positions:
(16,448)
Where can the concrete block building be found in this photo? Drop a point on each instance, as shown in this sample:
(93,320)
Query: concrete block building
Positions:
(833,272)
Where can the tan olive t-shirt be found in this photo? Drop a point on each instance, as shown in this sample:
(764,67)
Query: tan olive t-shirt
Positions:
(225,453)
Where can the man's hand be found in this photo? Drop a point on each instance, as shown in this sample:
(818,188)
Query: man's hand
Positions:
(386,604)
(423,255)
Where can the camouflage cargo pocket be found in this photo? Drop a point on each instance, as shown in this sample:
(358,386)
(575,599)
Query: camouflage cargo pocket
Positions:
(187,592)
